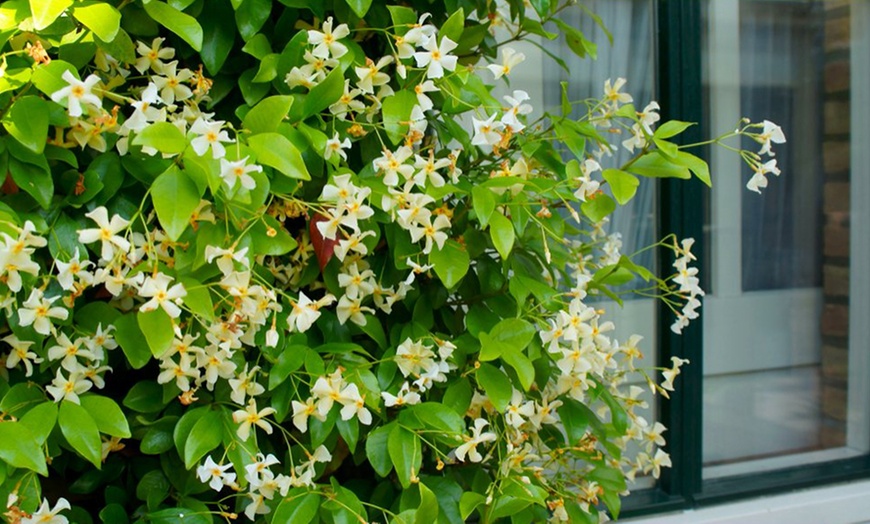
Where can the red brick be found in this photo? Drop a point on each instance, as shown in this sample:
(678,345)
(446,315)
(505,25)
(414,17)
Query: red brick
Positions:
(835,320)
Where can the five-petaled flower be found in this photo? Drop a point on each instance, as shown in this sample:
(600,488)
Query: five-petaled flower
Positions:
(78,93)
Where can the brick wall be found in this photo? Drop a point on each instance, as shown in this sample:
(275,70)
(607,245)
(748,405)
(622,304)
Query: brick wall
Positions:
(835,235)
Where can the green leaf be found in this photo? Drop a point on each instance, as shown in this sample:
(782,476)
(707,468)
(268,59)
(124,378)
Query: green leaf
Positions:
(656,165)
(405,453)
(100,17)
(251,15)
(204,437)
(27,121)
(523,367)
(575,418)
(45,12)
(219,34)
(288,361)
(298,507)
(33,180)
(322,95)
(671,128)
(175,198)
(19,448)
(258,46)
(177,516)
(598,207)
(198,298)
(360,7)
(450,263)
(483,200)
(21,398)
(502,232)
(107,414)
(377,450)
(185,425)
(145,396)
(267,114)
(268,69)
(490,348)
(453,27)
(696,165)
(158,438)
(132,341)
(397,114)
(48,78)
(162,136)
(275,150)
(40,421)
(469,502)
(427,512)
(402,17)
(157,328)
(80,430)
(179,23)
(496,385)
(623,185)
(542,7)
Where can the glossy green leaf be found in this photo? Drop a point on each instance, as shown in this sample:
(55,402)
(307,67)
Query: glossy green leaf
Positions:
(322,95)
(453,27)
(179,23)
(145,396)
(132,341)
(623,185)
(175,198)
(267,114)
(598,207)
(48,78)
(483,200)
(360,7)
(27,121)
(405,453)
(158,438)
(575,418)
(671,128)
(377,450)
(107,414)
(397,113)
(100,17)
(80,431)
(523,367)
(502,232)
(157,328)
(275,150)
(218,34)
(268,69)
(162,136)
(469,502)
(21,398)
(19,448)
(34,180)
(251,15)
(402,16)
(450,263)
(45,12)
(656,165)
(41,420)
(177,516)
(496,385)
(427,512)
(290,360)
(298,507)
(696,165)
(204,436)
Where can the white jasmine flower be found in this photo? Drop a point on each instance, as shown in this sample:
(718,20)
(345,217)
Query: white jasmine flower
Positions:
(69,271)
(758,180)
(151,57)
(20,353)
(612,94)
(516,108)
(370,75)
(78,93)
(486,132)
(68,388)
(157,289)
(215,474)
(209,135)
(477,437)
(251,416)
(232,172)
(44,515)
(510,58)
(171,83)
(106,232)
(436,58)
(37,310)
(327,41)
(770,133)
(334,146)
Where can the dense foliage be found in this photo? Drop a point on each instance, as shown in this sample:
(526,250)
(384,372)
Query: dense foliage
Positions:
(294,261)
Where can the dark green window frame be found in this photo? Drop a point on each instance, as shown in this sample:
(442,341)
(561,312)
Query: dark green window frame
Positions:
(682,211)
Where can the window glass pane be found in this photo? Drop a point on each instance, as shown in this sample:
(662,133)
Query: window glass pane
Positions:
(783,377)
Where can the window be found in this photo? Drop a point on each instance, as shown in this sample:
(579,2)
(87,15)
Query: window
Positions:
(775,397)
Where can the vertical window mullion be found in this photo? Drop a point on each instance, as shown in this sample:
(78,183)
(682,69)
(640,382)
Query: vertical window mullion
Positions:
(681,213)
